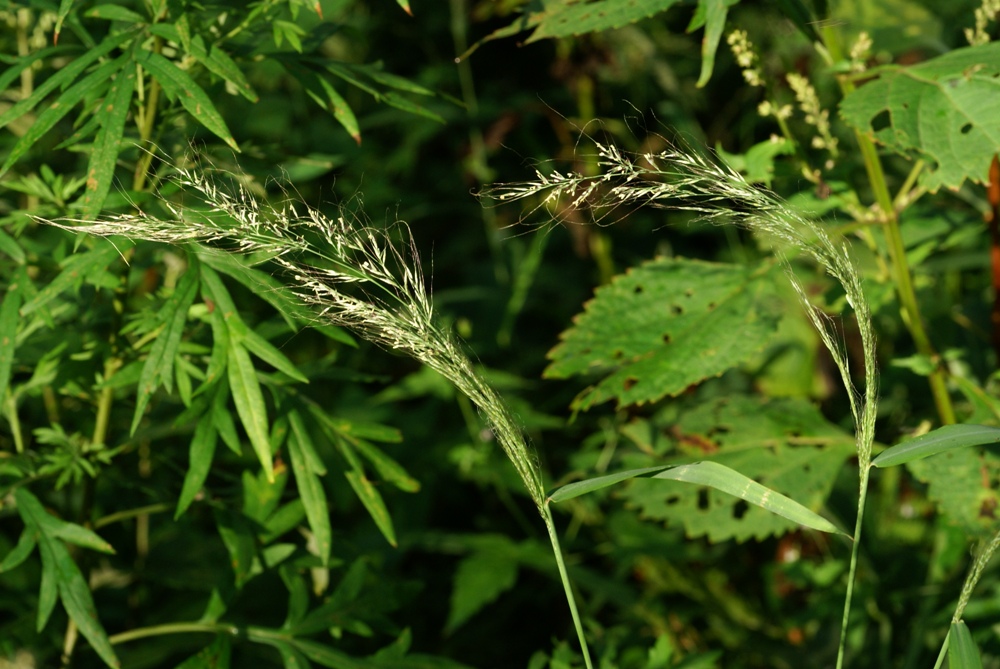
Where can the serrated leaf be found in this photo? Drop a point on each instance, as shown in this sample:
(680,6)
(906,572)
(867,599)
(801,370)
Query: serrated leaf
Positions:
(65,75)
(664,326)
(214,656)
(310,485)
(479,580)
(713,17)
(159,366)
(92,83)
(195,100)
(958,482)
(76,268)
(962,651)
(111,115)
(250,405)
(200,455)
(942,111)
(373,503)
(937,441)
(783,444)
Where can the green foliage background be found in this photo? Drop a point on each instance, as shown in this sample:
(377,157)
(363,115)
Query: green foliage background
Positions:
(194,473)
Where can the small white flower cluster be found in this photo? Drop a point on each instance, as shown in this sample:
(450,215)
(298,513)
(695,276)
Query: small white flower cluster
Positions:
(780,112)
(861,51)
(746,58)
(985,14)
(815,115)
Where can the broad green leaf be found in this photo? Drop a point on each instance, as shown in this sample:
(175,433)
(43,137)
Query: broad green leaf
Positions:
(200,455)
(264,350)
(941,111)
(76,598)
(757,164)
(25,545)
(372,501)
(75,269)
(65,75)
(214,656)
(111,114)
(92,83)
(937,441)
(712,15)
(9,318)
(480,579)
(784,444)
(178,84)
(159,366)
(962,651)
(250,405)
(310,485)
(666,325)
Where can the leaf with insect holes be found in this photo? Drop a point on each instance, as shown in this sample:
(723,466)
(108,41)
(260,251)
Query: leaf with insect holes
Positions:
(783,444)
(666,325)
(959,483)
(944,111)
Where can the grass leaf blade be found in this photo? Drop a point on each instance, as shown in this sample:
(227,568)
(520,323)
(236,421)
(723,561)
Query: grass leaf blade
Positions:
(962,651)
(937,441)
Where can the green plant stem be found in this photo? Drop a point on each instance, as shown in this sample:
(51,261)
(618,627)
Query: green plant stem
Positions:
(550,525)
(846,618)
(944,650)
(909,308)
(132,513)
(10,408)
(173,628)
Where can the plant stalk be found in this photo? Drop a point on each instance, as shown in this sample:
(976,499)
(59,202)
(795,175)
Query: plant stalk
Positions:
(550,525)
(855,548)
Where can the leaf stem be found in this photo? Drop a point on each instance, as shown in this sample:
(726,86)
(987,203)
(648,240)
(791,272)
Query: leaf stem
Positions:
(173,628)
(550,525)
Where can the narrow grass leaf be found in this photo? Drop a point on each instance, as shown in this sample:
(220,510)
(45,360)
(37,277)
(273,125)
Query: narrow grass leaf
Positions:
(75,269)
(19,65)
(266,351)
(373,502)
(590,485)
(159,366)
(310,487)
(200,455)
(65,75)
(112,114)
(392,80)
(730,481)
(25,545)
(250,405)
(962,651)
(93,83)
(937,441)
(195,100)
(115,13)
(9,318)
(64,7)
(79,604)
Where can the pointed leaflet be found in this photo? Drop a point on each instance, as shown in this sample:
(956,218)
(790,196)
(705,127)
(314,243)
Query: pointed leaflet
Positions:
(33,513)
(64,7)
(92,83)
(75,269)
(79,604)
(962,651)
(65,75)
(200,456)
(9,318)
(25,545)
(249,403)
(666,325)
(111,114)
(307,478)
(712,15)
(159,365)
(179,85)
(326,96)
(937,441)
(215,60)
(942,110)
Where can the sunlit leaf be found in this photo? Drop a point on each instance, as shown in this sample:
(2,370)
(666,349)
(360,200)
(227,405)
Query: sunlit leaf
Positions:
(937,441)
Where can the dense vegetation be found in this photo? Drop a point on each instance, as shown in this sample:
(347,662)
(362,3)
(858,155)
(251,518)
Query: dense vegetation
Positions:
(596,346)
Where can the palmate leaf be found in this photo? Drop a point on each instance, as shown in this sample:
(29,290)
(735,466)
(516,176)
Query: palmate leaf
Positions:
(944,110)
(664,326)
(785,445)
